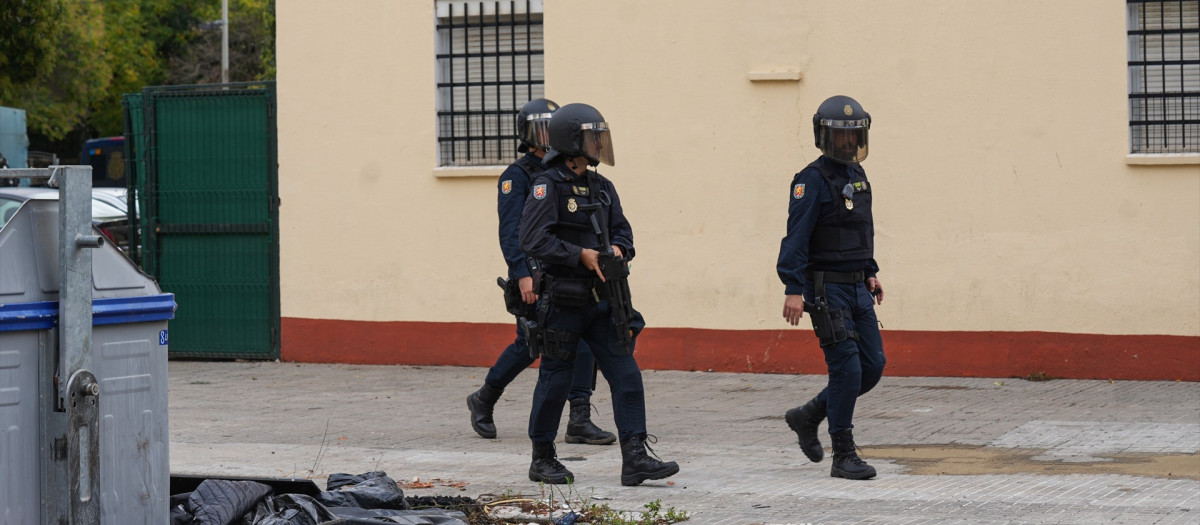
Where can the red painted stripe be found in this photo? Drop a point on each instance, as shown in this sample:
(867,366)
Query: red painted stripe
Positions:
(791,351)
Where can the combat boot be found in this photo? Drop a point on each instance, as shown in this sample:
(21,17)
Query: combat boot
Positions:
(846,463)
(546,468)
(804,421)
(580,428)
(637,465)
(481,402)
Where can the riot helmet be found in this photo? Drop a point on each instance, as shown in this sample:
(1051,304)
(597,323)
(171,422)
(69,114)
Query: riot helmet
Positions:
(578,130)
(840,128)
(532,122)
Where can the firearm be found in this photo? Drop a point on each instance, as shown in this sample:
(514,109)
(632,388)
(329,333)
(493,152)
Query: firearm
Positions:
(530,317)
(616,274)
(828,323)
(512,297)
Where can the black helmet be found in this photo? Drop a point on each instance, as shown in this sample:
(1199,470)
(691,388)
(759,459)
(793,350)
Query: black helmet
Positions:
(578,130)
(531,123)
(848,144)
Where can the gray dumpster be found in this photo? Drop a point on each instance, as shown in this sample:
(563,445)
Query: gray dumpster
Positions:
(83,371)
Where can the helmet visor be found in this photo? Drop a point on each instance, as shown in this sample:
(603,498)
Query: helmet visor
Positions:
(537,130)
(596,142)
(845,141)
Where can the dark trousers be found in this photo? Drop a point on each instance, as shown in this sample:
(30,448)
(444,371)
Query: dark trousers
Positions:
(515,359)
(594,326)
(854,366)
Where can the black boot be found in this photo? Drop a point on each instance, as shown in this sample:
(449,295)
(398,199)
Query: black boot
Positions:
(481,403)
(804,421)
(580,428)
(846,463)
(546,468)
(637,465)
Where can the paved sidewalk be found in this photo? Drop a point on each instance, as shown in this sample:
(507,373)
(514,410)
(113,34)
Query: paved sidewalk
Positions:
(948,450)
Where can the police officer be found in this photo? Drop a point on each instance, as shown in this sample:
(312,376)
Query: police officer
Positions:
(557,228)
(514,185)
(827,265)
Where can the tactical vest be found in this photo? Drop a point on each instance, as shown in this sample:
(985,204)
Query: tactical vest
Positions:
(573,224)
(530,167)
(843,234)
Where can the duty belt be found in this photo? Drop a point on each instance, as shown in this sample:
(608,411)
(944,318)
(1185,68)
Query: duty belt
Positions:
(837,277)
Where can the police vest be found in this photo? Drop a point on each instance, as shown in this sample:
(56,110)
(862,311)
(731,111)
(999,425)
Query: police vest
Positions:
(574,225)
(530,167)
(843,232)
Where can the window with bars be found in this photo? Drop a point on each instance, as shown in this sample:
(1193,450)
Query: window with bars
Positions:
(1164,76)
(489,64)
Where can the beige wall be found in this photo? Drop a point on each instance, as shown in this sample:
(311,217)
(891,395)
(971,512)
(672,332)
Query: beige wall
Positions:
(1004,200)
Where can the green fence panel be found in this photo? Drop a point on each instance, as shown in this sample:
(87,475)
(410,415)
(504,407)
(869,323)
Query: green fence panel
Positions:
(135,172)
(208,190)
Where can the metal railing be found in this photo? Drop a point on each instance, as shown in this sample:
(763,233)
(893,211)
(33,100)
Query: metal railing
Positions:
(487,71)
(1164,76)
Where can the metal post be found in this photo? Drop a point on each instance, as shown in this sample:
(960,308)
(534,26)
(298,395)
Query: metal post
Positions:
(78,391)
(224,41)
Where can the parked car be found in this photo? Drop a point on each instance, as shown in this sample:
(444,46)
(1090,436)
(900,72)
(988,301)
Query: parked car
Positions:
(118,197)
(109,214)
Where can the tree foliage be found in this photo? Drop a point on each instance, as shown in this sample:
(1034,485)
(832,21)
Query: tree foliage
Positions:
(68,62)
(28,31)
(56,86)
(251,47)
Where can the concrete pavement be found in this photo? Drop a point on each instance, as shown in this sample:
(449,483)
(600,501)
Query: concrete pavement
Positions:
(948,450)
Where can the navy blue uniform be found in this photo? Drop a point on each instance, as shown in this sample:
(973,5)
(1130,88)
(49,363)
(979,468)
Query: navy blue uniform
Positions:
(513,188)
(555,231)
(826,235)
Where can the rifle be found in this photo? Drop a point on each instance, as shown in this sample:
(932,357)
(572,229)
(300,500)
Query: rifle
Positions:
(616,274)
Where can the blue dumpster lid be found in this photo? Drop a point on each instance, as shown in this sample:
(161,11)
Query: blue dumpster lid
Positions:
(118,310)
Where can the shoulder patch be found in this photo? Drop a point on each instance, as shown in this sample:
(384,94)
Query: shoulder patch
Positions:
(539,191)
(506,187)
(798,191)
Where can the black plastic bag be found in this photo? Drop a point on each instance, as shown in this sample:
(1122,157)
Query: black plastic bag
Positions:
(222,502)
(289,509)
(373,490)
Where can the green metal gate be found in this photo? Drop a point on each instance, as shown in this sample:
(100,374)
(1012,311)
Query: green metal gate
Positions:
(202,167)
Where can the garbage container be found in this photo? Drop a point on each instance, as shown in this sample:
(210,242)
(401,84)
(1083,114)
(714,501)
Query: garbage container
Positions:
(97,454)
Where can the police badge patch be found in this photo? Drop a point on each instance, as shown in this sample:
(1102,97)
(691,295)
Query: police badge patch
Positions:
(539,191)
(798,191)
(506,187)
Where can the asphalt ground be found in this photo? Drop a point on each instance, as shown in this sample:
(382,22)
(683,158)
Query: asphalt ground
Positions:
(948,450)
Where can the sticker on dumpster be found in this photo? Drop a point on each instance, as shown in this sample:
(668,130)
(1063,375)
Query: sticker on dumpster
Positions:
(162,338)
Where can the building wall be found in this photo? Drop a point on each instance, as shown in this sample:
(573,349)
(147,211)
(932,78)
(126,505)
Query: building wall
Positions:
(1008,213)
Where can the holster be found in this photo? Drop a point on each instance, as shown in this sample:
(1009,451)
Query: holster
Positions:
(532,326)
(553,292)
(533,336)
(512,297)
(828,323)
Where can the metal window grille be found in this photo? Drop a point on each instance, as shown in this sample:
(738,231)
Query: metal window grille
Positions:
(489,64)
(1164,76)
